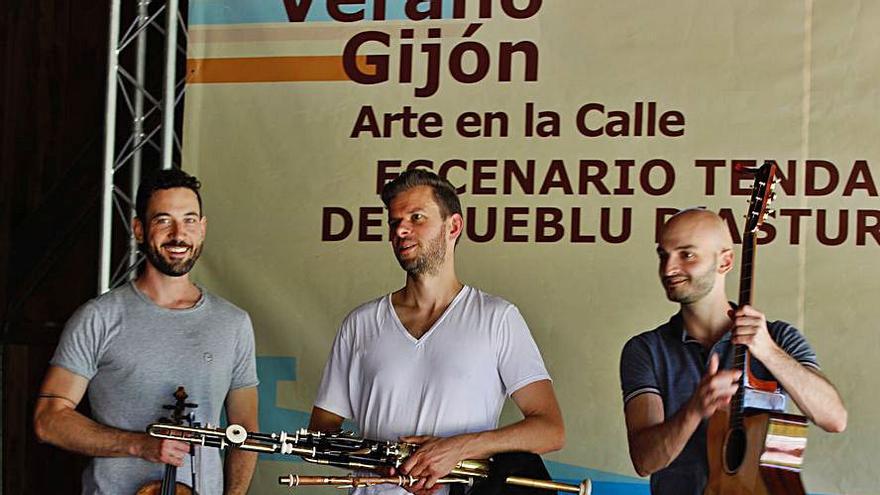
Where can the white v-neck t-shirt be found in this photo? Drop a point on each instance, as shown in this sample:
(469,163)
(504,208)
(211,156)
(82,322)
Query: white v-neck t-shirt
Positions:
(452,380)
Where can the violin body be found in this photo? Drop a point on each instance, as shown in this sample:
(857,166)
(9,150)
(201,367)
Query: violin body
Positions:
(155,488)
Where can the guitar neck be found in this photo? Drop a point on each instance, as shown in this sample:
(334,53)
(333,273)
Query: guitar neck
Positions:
(741,352)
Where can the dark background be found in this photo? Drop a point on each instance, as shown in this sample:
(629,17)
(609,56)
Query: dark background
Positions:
(54,66)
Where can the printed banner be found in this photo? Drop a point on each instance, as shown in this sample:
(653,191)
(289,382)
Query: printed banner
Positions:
(572,129)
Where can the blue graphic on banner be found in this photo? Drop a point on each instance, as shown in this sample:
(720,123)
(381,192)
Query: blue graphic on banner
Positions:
(272,370)
(236,12)
(267,11)
(273,418)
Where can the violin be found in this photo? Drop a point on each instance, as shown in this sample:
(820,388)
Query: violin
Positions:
(169,485)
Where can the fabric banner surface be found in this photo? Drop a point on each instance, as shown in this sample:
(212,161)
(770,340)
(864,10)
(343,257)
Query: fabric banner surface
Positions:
(573,129)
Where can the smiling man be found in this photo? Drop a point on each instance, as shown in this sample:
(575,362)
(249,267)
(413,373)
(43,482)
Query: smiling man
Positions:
(132,347)
(676,376)
(433,362)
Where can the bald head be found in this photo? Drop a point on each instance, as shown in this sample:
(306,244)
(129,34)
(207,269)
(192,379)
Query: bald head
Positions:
(699,224)
(696,252)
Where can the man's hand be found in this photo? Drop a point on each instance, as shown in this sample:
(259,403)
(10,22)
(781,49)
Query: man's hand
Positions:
(434,459)
(715,389)
(750,329)
(814,395)
(162,450)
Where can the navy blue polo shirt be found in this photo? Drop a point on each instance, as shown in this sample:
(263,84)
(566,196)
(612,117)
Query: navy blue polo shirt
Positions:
(666,361)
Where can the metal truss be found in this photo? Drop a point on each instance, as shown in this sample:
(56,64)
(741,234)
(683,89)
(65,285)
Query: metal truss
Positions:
(140,114)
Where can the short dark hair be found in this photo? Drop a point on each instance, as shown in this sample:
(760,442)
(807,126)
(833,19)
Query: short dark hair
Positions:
(165,179)
(444,191)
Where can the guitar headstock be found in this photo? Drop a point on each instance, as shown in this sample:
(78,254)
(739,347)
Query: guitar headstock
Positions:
(762,194)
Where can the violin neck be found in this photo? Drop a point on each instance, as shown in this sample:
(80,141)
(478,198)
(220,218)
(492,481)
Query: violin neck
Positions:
(169,481)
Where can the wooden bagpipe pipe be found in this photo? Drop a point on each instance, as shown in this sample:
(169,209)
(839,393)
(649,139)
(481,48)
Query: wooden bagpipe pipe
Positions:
(348,451)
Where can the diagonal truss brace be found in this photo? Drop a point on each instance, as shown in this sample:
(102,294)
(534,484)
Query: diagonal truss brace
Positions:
(117,206)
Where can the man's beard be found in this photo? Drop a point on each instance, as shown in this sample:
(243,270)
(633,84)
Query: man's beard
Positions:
(430,260)
(177,268)
(694,288)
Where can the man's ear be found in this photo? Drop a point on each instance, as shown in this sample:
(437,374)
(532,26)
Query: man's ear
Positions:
(725,261)
(137,227)
(457,224)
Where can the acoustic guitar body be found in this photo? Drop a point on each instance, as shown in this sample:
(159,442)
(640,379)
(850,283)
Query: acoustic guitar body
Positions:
(764,457)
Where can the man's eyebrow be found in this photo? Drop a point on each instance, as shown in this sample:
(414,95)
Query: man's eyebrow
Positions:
(416,209)
(166,214)
(676,248)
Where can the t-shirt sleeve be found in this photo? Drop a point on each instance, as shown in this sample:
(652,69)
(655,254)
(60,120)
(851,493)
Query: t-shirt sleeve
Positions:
(637,374)
(793,342)
(244,373)
(519,361)
(333,392)
(79,349)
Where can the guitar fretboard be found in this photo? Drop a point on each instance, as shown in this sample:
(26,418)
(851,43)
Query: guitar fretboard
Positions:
(741,353)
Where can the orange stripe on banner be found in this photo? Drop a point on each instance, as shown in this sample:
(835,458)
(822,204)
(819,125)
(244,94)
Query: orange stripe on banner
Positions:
(270,69)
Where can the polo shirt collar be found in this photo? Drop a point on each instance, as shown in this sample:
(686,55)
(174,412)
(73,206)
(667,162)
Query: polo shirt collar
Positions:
(677,323)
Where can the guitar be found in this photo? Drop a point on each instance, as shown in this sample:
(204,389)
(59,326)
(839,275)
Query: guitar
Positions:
(169,485)
(749,451)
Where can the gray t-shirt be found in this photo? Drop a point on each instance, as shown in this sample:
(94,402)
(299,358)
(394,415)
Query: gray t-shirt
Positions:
(135,354)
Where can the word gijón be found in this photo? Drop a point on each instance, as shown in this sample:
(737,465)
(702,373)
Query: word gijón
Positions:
(367,55)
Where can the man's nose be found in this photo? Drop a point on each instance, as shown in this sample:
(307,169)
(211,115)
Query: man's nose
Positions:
(176,229)
(403,229)
(669,266)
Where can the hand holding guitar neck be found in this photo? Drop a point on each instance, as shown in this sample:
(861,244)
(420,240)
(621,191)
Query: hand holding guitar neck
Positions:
(750,330)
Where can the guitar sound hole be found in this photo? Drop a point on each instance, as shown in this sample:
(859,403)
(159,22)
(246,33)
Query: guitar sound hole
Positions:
(734,449)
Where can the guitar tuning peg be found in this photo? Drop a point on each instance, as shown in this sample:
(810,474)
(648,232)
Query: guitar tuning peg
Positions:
(771,211)
(777,180)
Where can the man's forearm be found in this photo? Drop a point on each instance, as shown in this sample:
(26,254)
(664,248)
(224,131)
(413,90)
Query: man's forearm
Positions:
(536,434)
(70,430)
(238,469)
(655,447)
(814,394)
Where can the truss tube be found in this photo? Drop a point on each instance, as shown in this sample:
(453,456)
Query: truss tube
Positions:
(168,98)
(138,127)
(106,230)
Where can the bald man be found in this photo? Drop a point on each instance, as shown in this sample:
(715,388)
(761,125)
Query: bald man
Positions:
(675,376)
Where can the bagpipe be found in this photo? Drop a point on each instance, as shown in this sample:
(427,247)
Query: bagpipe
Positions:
(348,451)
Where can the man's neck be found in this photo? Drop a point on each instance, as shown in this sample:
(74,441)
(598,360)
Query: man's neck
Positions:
(708,319)
(168,292)
(424,299)
(428,291)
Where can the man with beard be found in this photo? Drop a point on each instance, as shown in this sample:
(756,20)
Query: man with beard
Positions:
(433,362)
(133,346)
(674,377)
